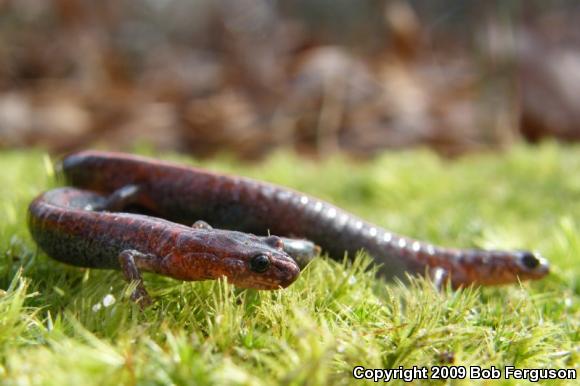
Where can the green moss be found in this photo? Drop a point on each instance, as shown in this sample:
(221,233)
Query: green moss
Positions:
(337,315)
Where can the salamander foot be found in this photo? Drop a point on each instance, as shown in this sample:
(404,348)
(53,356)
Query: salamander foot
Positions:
(131,273)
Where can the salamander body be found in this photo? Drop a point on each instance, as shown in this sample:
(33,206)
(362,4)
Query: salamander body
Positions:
(185,194)
(74,226)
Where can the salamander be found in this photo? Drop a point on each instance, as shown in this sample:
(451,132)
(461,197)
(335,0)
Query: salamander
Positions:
(74,226)
(185,194)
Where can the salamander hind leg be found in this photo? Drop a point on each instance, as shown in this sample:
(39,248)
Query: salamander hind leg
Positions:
(121,198)
(130,261)
(439,276)
(301,250)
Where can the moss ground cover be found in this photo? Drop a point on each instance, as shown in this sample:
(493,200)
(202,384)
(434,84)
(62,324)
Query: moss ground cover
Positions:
(68,326)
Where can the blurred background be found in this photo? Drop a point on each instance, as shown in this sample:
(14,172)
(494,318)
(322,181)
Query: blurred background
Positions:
(316,76)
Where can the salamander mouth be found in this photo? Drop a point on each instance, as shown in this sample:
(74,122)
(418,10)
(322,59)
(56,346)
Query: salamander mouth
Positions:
(281,274)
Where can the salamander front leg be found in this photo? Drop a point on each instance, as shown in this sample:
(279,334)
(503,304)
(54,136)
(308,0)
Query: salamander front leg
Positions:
(199,224)
(129,260)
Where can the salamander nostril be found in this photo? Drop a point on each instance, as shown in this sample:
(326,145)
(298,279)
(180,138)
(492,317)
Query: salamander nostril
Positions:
(529,260)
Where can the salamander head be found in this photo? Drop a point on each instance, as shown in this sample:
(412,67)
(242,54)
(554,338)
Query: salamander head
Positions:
(246,260)
(498,267)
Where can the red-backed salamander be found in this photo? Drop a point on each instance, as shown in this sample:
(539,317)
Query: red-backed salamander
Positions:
(186,194)
(74,227)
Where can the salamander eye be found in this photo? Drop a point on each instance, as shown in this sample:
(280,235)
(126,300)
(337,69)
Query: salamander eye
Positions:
(529,260)
(260,263)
